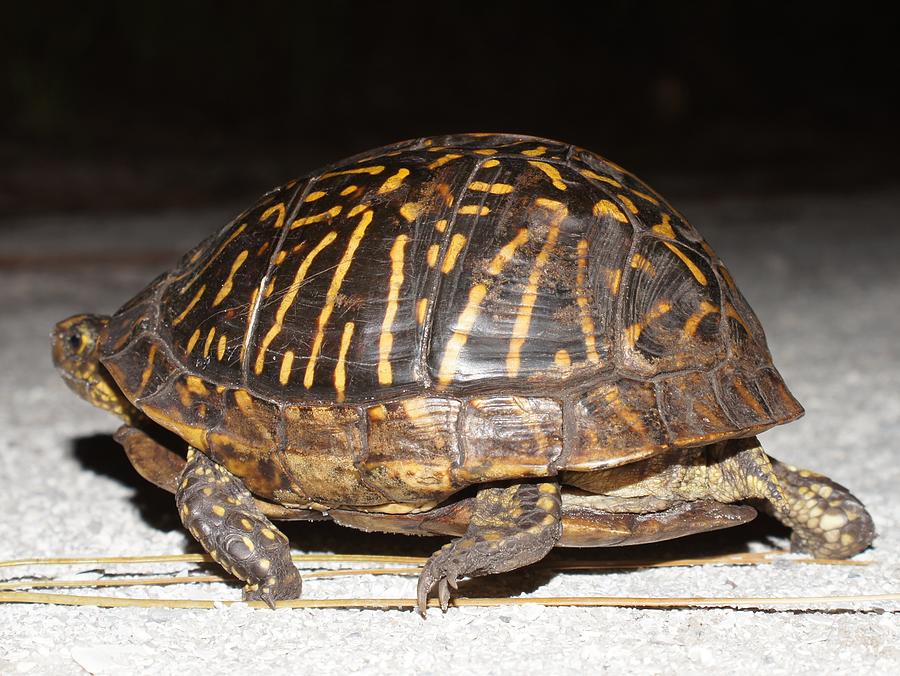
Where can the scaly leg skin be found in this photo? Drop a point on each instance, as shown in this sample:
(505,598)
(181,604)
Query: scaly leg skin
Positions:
(221,514)
(510,528)
(827,520)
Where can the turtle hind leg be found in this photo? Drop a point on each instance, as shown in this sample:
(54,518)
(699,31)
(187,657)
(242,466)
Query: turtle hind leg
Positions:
(827,520)
(510,528)
(221,514)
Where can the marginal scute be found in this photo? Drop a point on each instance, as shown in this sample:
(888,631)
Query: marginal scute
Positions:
(672,314)
(322,446)
(690,410)
(245,439)
(141,368)
(616,423)
(412,449)
(508,437)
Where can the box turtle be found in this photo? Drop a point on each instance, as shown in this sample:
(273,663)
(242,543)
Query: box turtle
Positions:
(500,338)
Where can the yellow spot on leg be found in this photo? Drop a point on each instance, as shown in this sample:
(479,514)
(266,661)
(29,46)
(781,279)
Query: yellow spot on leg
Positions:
(386,340)
(218,510)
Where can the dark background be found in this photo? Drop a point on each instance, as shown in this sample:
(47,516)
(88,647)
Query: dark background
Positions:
(153,105)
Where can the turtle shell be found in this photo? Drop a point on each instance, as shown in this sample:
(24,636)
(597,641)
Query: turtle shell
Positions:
(441,312)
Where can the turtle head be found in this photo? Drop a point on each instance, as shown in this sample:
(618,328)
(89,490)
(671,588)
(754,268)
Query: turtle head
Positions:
(75,355)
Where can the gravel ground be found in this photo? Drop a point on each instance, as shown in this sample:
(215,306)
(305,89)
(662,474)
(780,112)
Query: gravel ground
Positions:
(822,274)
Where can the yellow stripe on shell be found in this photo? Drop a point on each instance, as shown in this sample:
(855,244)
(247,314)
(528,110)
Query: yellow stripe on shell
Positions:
(373,170)
(190,306)
(638,262)
(551,172)
(584,306)
(220,348)
(535,152)
(288,299)
(284,374)
(526,304)
(461,330)
(331,296)
(410,211)
(208,342)
(218,252)
(688,263)
(692,323)
(508,251)
(393,182)
(192,341)
(607,208)
(587,173)
(386,339)
(148,369)
(492,188)
(457,242)
(316,218)
(340,370)
(229,281)
(421,307)
(441,161)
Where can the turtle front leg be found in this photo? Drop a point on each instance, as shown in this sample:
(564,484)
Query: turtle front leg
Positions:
(510,528)
(827,520)
(222,515)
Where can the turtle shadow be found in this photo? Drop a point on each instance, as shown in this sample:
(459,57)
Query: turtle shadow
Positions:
(102,455)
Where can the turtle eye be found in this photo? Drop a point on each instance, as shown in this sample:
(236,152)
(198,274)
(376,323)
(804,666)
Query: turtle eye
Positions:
(74,341)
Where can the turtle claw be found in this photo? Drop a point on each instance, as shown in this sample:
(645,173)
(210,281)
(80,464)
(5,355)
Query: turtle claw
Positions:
(444,569)
(271,590)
